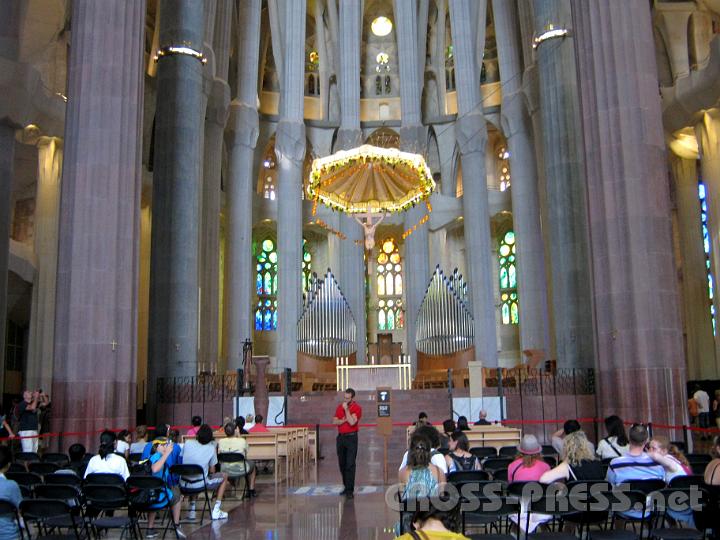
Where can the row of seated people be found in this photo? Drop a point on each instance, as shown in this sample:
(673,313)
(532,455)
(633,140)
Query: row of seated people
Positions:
(185,470)
(426,466)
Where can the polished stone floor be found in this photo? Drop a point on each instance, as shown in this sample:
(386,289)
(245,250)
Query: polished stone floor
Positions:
(308,506)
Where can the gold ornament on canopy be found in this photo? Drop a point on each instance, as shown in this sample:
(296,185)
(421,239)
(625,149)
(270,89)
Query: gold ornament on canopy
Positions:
(370,180)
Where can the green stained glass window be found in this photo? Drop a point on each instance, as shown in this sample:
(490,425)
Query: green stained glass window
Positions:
(509,310)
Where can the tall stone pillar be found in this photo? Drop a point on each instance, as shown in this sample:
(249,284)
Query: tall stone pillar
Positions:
(566,191)
(471,134)
(639,335)
(38,373)
(216,115)
(7,155)
(517,125)
(174,284)
(97,268)
(413,137)
(241,138)
(352,270)
(708,136)
(701,359)
(290,150)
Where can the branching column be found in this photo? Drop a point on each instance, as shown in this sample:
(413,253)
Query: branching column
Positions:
(471,134)
(701,361)
(708,137)
(39,368)
(639,334)
(174,283)
(411,43)
(290,150)
(566,190)
(241,138)
(517,125)
(97,268)
(351,275)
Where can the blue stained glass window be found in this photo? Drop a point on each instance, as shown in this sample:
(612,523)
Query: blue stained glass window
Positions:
(706,247)
(266,285)
(509,311)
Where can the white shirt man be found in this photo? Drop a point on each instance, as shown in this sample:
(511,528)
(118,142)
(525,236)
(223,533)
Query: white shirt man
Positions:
(703,401)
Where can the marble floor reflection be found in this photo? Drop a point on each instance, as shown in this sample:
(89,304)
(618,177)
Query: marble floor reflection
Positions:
(307,507)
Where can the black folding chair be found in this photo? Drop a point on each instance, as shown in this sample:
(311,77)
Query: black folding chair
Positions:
(72,496)
(229,458)
(193,483)
(50,514)
(149,494)
(102,501)
(64,479)
(104,479)
(508,451)
(550,460)
(672,505)
(459,478)
(492,514)
(42,468)
(9,510)
(495,464)
(135,458)
(548,450)
(482,452)
(500,475)
(24,479)
(555,504)
(26,457)
(58,458)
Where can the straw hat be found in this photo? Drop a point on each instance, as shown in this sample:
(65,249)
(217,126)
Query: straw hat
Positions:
(529,445)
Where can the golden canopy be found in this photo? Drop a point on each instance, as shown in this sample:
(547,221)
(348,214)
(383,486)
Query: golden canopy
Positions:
(369,179)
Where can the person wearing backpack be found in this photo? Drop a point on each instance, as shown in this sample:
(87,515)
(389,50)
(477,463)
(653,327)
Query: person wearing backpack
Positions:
(616,442)
(161,454)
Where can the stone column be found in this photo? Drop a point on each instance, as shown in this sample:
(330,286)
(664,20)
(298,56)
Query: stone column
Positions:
(517,125)
(38,373)
(566,189)
(701,359)
(471,134)
(174,285)
(290,150)
(216,116)
(352,265)
(7,155)
(241,138)
(639,334)
(410,40)
(97,268)
(708,136)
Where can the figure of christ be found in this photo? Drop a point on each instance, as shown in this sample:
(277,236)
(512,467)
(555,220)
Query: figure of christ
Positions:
(369,227)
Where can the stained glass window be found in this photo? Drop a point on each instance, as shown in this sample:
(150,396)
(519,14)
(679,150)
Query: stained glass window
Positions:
(706,247)
(391,315)
(508,279)
(266,286)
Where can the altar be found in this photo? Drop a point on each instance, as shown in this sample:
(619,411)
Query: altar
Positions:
(369,377)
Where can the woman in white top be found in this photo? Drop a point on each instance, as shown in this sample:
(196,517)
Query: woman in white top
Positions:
(122,447)
(106,460)
(669,456)
(616,443)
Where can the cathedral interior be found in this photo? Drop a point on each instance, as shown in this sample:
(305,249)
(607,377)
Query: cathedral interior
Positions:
(156,212)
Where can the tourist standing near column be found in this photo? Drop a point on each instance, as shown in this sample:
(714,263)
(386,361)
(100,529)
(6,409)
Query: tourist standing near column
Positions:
(347,419)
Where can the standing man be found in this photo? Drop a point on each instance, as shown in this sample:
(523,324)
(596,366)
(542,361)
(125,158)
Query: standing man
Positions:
(347,419)
(29,425)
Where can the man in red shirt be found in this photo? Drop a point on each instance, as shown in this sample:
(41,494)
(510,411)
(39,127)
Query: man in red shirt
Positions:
(259,427)
(347,419)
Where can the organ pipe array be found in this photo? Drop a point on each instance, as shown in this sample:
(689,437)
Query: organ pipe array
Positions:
(444,321)
(326,326)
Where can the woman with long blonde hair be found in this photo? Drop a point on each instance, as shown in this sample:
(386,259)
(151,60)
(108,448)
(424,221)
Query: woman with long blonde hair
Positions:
(579,462)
